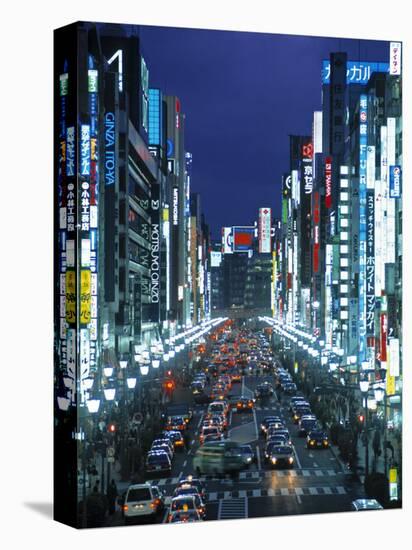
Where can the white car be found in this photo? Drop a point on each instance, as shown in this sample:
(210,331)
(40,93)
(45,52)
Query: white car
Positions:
(142,500)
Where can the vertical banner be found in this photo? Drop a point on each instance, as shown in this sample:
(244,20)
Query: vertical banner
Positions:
(383,337)
(155,253)
(370,264)
(395,58)
(316,231)
(328,182)
(363,137)
(265,215)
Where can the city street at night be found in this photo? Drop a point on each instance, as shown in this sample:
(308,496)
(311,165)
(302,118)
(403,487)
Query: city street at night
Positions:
(228,275)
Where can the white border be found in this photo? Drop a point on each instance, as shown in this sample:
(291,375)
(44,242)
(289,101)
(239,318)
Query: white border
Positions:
(26,268)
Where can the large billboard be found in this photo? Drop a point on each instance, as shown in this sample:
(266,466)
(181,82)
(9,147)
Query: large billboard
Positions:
(265,216)
(227,240)
(243,238)
(357,72)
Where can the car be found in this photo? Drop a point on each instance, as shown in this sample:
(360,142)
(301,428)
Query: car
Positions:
(176,438)
(248,454)
(158,462)
(163,441)
(191,481)
(264,390)
(236,377)
(162,448)
(176,423)
(142,500)
(217,420)
(307,423)
(269,420)
(217,407)
(290,388)
(245,404)
(317,439)
(278,440)
(277,431)
(295,399)
(281,456)
(208,430)
(277,424)
(299,411)
(180,516)
(218,457)
(361,504)
(188,502)
(197,387)
(185,490)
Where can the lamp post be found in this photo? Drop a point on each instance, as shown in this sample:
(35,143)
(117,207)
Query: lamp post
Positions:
(364,388)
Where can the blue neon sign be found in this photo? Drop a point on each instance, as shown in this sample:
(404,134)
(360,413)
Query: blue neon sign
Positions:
(357,72)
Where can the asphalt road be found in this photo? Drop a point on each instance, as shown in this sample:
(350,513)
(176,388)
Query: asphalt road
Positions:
(316,484)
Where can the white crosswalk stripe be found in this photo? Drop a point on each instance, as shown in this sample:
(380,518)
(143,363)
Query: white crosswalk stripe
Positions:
(279,492)
(233,509)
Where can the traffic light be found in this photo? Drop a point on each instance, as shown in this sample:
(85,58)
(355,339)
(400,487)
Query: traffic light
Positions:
(169,373)
(111,428)
(361,418)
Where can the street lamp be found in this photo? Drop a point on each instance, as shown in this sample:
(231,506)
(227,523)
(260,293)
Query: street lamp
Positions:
(155,363)
(109,394)
(364,388)
(131,382)
(93,405)
(108,370)
(144,369)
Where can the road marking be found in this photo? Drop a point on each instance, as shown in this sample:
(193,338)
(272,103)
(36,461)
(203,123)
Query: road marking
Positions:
(313,490)
(284,491)
(181,475)
(256,426)
(200,421)
(271,492)
(298,491)
(327,490)
(341,490)
(297,458)
(184,464)
(258,457)
(305,473)
(319,473)
(331,472)
(236,508)
(315,465)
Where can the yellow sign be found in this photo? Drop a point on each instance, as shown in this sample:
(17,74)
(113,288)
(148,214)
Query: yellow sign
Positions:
(70,296)
(390,384)
(85,296)
(393,475)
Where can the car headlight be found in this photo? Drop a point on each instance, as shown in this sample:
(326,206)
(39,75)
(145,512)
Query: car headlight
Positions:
(325,442)
(312,442)
(291,460)
(274,460)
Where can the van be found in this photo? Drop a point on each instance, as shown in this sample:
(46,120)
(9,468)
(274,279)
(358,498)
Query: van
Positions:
(218,457)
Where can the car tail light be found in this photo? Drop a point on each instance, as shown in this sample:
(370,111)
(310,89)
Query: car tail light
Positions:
(125,508)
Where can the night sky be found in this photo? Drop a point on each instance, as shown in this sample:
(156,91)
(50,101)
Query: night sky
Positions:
(243,94)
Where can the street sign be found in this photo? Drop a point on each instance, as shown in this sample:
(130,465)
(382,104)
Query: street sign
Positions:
(110,459)
(110,452)
(138,418)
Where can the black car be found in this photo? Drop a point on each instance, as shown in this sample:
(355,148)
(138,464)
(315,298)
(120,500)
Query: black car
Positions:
(281,456)
(264,390)
(317,439)
(158,462)
(306,424)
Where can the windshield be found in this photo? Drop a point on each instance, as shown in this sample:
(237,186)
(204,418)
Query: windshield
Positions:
(135,495)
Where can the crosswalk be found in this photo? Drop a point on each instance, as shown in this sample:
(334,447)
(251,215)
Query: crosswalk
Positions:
(258,475)
(277,492)
(236,508)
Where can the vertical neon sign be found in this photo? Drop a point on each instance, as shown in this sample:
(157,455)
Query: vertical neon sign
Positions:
(363,141)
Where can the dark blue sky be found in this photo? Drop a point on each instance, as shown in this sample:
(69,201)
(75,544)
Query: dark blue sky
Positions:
(243,94)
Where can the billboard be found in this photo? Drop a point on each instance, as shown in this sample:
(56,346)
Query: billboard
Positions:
(227,237)
(357,72)
(215,259)
(243,238)
(363,137)
(395,181)
(265,215)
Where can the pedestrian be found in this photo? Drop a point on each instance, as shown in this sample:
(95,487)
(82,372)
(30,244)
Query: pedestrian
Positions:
(112,496)
(96,486)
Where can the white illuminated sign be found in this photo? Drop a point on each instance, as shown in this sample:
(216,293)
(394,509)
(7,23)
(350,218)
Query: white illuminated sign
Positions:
(265,215)
(395,58)
(175,206)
